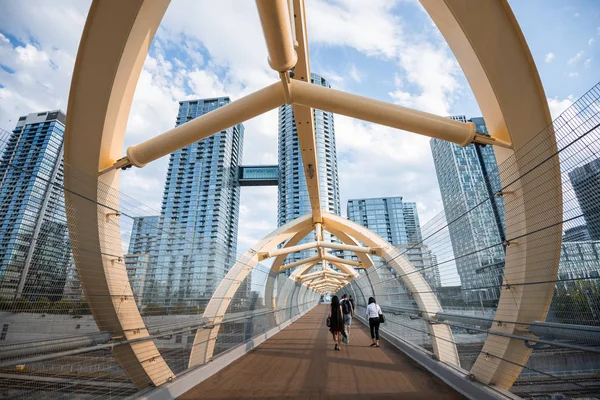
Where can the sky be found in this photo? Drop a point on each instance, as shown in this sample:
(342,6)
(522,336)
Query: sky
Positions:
(385,49)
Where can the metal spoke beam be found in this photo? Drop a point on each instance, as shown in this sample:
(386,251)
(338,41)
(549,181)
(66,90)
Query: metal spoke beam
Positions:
(319,244)
(300,262)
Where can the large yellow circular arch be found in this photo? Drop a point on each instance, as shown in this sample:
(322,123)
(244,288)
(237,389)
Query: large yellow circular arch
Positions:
(492,52)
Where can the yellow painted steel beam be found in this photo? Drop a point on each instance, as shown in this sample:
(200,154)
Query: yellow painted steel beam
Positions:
(317,244)
(382,113)
(338,260)
(112,51)
(206,125)
(300,262)
(304,117)
(492,52)
(276,24)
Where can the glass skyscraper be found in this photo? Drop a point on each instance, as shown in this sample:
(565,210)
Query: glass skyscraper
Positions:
(144,234)
(196,239)
(293,200)
(391,218)
(397,222)
(586,183)
(34,243)
(468,178)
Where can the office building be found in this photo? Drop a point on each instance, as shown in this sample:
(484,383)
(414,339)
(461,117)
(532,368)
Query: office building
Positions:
(578,260)
(468,178)
(137,270)
(144,234)
(391,218)
(34,249)
(293,200)
(197,228)
(586,183)
(576,234)
(397,222)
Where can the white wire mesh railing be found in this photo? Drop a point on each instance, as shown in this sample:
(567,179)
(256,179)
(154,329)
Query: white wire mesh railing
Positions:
(50,341)
(469,247)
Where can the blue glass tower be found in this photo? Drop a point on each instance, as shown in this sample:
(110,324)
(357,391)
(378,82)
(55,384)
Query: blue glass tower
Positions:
(389,217)
(34,249)
(397,222)
(197,235)
(293,200)
(469,178)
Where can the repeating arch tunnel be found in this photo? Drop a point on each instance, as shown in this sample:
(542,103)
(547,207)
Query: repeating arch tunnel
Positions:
(506,85)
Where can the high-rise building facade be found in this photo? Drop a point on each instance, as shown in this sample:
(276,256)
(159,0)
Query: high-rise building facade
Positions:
(34,243)
(144,234)
(293,200)
(197,229)
(391,218)
(586,183)
(397,222)
(576,234)
(468,178)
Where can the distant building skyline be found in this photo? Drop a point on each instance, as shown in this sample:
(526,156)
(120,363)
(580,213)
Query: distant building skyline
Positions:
(468,178)
(34,241)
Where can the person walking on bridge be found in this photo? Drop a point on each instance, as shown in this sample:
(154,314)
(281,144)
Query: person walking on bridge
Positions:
(348,311)
(373,313)
(336,322)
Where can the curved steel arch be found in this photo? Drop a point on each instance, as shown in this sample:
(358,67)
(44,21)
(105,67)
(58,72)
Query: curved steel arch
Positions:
(113,48)
(204,341)
(493,54)
(441,335)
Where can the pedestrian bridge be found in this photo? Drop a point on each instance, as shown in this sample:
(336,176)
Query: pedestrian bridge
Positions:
(121,329)
(299,363)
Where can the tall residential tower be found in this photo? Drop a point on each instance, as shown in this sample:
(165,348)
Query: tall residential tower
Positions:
(34,243)
(293,200)
(468,178)
(197,229)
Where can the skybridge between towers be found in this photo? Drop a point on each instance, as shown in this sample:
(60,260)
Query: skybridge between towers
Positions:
(263,333)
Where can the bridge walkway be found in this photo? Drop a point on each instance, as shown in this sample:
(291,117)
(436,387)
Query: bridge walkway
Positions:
(300,363)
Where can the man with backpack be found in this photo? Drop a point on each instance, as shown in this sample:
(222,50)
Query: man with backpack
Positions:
(348,311)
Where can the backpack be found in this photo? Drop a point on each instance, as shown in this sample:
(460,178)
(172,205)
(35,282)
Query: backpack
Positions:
(346,307)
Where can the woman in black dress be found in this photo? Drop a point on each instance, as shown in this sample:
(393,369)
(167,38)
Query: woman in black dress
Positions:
(336,326)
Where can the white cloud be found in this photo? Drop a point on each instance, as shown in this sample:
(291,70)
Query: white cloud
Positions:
(355,74)
(591,41)
(549,57)
(587,63)
(576,15)
(573,74)
(557,106)
(576,58)
(372,30)
(41,68)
